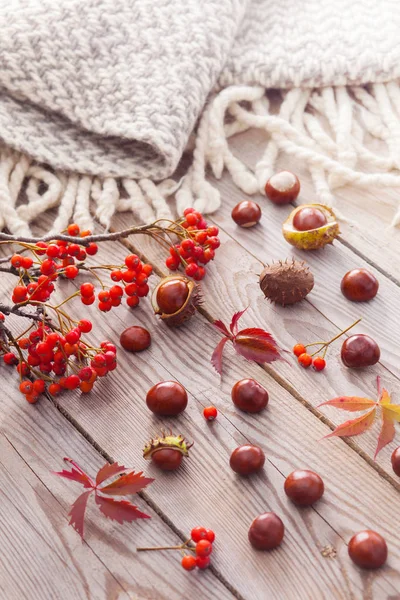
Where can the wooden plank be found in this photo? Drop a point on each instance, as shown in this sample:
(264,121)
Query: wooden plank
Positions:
(115,415)
(41,554)
(369,210)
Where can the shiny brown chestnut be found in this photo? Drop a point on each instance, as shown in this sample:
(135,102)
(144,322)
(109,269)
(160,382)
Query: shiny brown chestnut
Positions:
(248,395)
(167,398)
(135,339)
(360,351)
(304,487)
(359,285)
(368,549)
(309,218)
(282,187)
(247,459)
(246,213)
(266,531)
(172,295)
(167,459)
(396,461)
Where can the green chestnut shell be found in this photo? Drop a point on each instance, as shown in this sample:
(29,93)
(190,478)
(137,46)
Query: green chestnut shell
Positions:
(313,239)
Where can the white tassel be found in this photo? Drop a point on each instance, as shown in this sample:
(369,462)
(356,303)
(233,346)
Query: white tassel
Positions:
(67,204)
(107,202)
(157,200)
(82,216)
(139,205)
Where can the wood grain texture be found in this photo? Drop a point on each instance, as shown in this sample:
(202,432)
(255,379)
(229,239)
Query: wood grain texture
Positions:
(37,540)
(233,284)
(115,415)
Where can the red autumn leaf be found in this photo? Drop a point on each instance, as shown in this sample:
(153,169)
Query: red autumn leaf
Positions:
(349,403)
(129,483)
(75,474)
(389,412)
(77,512)
(109,470)
(216,358)
(256,344)
(223,329)
(235,319)
(118,510)
(253,343)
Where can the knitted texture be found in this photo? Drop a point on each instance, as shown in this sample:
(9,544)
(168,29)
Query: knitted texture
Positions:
(98,100)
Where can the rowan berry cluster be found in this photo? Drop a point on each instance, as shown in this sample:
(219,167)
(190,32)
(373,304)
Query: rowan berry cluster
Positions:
(201,550)
(317,359)
(49,360)
(197,247)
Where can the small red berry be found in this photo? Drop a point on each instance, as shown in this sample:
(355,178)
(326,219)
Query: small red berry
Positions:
(202,562)
(73,336)
(132,301)
(10,358)
(116,275)
(305,360)
(71,272)
(85,326)
(72,382)
(73,229)
(87,300)
(39,386)
(214,242)
(210,535)
(26,387)
(105,306)
(17,261)
(203,548)
(210,413)
(191,219)
(54,389)
(319,363)
(87,290)
(129,276)
(147,269)
(198,533)
(132,261)
(172,263)
(188,562)
(40,248)
(48,267)
(299,349)
(143,290)
(53,251)
(92,249)
(191,270)
(27,262)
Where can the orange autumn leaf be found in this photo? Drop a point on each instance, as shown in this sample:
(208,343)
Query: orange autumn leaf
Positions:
(389,414)
(354,426)
(350,403)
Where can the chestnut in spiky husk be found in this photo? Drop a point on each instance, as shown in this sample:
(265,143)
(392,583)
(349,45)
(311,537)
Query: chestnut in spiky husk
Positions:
(175,299)
(310,227)
(286,282)
(167,451)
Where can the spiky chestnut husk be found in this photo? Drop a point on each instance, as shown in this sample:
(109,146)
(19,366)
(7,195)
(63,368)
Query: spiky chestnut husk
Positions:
(313,239)
(170,441)
(286,282)
(187,310)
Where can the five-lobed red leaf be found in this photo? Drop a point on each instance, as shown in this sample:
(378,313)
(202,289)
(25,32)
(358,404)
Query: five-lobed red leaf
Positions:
(253,343)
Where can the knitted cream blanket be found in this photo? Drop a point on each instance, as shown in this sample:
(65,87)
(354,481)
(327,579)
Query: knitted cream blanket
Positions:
(99,98)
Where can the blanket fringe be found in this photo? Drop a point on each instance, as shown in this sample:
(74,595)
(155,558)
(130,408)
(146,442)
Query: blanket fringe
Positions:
(325,128)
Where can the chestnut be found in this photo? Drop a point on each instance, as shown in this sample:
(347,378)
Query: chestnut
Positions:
(360,351)
(396,461)
(266,531)
(172,295)
(167,398)
(309,218)
(246,213)
(368,549)
(247,459)
(359,285)
(135,339)
(248,395)
(304,487)
(282,187)
(167,459)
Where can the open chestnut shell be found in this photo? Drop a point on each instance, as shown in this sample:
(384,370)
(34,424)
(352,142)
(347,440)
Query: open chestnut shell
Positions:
(310,227)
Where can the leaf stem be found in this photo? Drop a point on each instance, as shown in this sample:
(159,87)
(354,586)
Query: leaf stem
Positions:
(183,546)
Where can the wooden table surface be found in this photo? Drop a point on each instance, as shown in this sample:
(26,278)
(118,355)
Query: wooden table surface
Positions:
(42,557)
